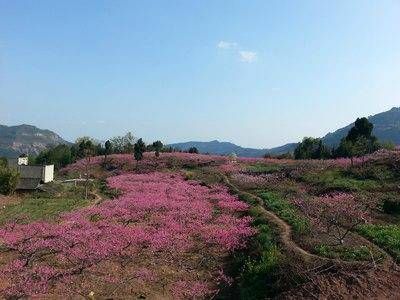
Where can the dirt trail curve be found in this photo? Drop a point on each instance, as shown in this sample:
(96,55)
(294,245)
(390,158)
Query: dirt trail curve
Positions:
(285,235)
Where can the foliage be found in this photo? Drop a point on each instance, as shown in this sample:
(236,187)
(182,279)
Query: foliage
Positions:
(193,150)
(139,149)
(3,162)
(386,236)
(286,211)
(257,269)
(362,128)
(8,180)
(123,144)
(359,140)
(311,148)
(60,156)
(157,145)
(391,203)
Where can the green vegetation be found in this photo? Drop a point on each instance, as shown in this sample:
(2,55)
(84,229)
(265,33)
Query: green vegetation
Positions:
(257,270)
(30,209)
(8,180)
(286,211)
(139,149)
(358,253)
(386,236)
(338,180)
(311,148)
(263,168)
(359,140)
(60,156)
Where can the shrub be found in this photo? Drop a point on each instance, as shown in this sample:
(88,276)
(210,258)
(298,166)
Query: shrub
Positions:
(8,180)
(390,202)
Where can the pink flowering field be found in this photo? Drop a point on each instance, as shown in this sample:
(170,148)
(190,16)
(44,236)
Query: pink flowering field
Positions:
(163,237)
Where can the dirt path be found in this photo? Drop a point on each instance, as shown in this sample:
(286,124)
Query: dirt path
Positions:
(97,198)
(286,236)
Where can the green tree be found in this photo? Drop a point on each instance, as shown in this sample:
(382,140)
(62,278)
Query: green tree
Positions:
(157,146)
(123,144)
(311,148)
(139,149)
(60,156)
(359,140)
(193,150)
(362,128)
(108,149)
(8,180)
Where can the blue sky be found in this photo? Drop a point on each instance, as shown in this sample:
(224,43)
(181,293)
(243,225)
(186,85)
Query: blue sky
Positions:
(257,73)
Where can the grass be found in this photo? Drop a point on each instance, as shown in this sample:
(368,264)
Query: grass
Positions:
(257,269)
(358,253)
(31,209)
(386,236)
(338,180)
(263,168)
(286,211)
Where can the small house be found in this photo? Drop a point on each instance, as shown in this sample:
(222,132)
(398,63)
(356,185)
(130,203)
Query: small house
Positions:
(31,177)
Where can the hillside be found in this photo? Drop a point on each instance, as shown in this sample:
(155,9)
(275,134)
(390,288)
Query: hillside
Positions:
(28,139)
(226,148)
(386,128)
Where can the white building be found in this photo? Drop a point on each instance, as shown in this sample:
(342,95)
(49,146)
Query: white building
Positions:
(31,176)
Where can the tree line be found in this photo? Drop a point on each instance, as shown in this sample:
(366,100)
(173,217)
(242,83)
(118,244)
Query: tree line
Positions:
(359,141)
(63,155)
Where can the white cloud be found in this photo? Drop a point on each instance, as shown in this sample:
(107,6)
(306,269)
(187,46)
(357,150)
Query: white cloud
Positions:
(226,45)
(248,56)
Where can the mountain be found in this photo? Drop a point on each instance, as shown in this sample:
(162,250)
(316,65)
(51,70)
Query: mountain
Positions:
(226,148)
(28,139)
(386,128)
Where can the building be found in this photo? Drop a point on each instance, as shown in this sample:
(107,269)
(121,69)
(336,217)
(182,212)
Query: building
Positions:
(31,177)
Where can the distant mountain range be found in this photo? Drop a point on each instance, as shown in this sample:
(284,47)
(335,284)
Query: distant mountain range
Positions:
(386,128)
(224,148)
(28,139)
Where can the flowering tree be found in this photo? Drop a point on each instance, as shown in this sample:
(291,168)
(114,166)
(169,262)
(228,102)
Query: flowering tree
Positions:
(337,214)
(159,219)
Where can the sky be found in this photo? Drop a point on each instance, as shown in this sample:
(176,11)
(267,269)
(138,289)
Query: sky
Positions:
(256,73)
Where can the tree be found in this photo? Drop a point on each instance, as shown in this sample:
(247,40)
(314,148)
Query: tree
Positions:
(139,149)
(108,149)
(362,128)
(359,141)
(8,180)
(60,156)
(86,150)
(311,148)
(193,150)
(336,215)
(157,145)
(123,144)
